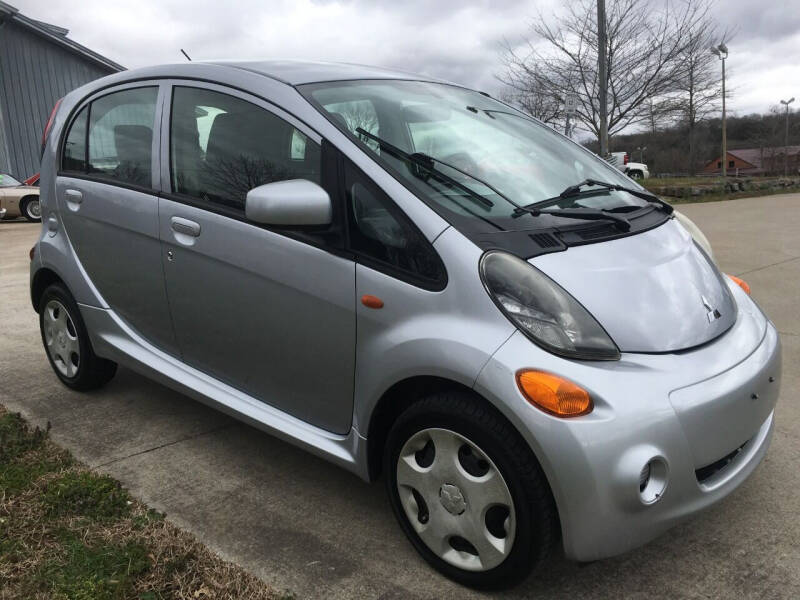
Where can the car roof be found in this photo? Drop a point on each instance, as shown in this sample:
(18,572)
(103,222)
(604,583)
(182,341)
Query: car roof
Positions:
(298,72)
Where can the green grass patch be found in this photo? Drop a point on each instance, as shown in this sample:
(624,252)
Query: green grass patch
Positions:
(70,534)
(91,572)
(17,438)
(23,455)
(98,497)
(730,196)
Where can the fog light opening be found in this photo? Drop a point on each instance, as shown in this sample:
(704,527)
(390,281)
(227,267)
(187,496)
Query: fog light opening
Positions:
(653,481)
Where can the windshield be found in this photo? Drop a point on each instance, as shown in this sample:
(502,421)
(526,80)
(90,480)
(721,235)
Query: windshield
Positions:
(8,181)
(494,150)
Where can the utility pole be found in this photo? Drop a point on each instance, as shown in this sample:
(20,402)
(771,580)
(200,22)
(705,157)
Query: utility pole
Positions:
(786,139)
(722,53)
(602,75)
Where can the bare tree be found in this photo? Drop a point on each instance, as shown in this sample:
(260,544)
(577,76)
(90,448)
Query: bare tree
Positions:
(697,88)
(645,40)
(546,107)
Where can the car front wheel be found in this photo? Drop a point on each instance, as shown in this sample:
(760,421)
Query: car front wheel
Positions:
(468,492)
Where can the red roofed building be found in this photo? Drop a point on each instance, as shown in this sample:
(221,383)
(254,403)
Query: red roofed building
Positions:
(757,161)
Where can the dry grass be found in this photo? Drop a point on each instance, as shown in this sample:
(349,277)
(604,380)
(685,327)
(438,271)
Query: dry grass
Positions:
(66,532)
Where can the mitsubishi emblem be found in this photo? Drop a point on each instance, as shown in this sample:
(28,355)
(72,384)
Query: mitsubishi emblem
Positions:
(712,313)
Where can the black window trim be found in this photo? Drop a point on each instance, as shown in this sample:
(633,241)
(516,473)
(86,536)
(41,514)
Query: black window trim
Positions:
(166,160)
(87,103)
(309,235)
(342,249)
(378,265)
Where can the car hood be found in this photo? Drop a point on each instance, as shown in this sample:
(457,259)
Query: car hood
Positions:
(652,292)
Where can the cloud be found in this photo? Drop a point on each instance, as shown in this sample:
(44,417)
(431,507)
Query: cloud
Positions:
(454,40)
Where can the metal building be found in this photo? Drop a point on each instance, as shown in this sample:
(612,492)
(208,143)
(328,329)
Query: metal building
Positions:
(38,65)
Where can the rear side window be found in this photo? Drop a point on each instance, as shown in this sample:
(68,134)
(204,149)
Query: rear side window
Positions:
(221,147)
(121,136)
(384,237)
(74,156)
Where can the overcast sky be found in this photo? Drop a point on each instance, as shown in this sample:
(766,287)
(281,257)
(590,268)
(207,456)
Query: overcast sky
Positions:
(455,40)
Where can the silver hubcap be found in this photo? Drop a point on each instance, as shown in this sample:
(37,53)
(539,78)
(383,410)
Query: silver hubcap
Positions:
(61,338)
(456,499)
(33,209)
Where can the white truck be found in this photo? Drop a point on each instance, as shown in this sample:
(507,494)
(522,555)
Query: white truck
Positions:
(634,170)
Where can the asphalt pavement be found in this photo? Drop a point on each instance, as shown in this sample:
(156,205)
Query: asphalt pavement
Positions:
(310,528)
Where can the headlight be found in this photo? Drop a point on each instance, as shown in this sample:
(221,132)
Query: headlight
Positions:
(695,232)
(542,310)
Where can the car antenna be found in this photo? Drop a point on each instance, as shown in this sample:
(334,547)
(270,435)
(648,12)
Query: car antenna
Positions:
(186,55)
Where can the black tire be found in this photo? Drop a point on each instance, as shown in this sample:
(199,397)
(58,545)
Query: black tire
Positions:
(536,516)
(92,371)
(26,208)
(635,174)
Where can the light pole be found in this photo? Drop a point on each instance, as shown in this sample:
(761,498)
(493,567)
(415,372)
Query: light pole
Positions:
(786,139)
(641,150)
(722,53)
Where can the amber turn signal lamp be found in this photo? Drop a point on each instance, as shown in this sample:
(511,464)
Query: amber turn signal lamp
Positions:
(741,283)
(371,301)
(554,394)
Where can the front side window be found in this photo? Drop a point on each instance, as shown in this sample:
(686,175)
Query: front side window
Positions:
(221,147)
(121,136)
(382,234)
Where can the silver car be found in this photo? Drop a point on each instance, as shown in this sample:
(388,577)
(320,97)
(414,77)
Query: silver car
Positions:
(410,279)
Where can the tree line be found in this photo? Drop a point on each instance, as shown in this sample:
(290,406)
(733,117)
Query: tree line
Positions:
(663,80)
(665,150)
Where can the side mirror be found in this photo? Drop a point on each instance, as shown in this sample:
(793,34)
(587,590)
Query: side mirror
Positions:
(296,202)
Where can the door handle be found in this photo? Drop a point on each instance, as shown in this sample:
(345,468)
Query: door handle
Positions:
(185,226)
(74,196)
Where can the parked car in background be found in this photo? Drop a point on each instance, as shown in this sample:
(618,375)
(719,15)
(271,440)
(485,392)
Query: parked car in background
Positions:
(410,279)
(32,180)
(19,199)
(634,170)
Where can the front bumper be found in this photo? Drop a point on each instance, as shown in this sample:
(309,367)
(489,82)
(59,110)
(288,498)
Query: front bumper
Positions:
(708,413)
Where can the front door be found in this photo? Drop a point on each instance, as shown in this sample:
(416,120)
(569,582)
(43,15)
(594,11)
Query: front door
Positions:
(269,312)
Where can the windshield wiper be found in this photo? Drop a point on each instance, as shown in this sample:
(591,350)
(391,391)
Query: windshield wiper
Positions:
(419,159)
(575,190)
(591,213)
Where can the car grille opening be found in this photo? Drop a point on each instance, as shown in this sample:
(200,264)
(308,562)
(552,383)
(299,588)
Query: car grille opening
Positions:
(598,232)
(545,240)
(705,473)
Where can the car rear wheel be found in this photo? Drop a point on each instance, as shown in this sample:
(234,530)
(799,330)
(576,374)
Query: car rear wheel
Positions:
(468,492)
(67,343)
(31,209)
(635,174)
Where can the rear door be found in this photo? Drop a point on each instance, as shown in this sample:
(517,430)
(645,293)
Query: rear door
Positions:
(269,311)
(108,201)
